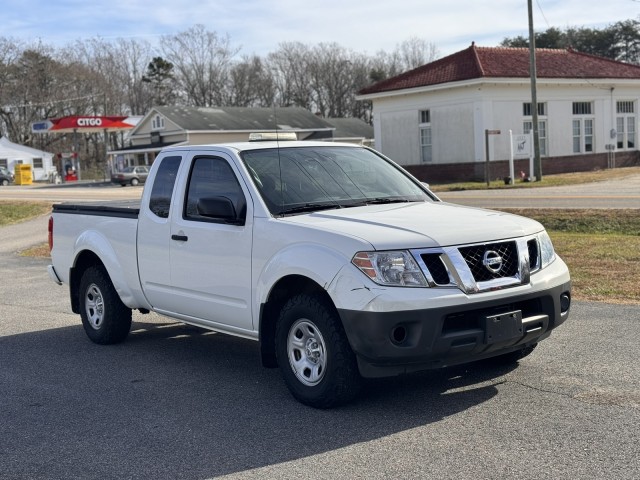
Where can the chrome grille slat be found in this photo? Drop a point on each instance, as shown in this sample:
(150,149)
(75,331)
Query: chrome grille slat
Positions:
(481,267)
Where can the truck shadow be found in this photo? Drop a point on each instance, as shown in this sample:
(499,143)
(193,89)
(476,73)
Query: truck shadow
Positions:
(176,401)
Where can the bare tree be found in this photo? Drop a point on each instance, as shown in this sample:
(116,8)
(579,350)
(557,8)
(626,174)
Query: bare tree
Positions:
(202,61)
(250,84)
(30,84)
(289,67)
(331,68)
(10,52)
(132,59)
(415,52)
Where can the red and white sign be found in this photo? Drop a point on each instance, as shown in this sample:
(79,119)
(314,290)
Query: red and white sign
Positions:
(90,123)
(85,124)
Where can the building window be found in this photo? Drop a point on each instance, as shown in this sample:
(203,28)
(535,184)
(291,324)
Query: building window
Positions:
(157,123)
(37,163)
(583,135)
(542,109)
(426,144)
(4,163)
(582,108)
(625,125)
(625,107)
(582,128)
(527,126)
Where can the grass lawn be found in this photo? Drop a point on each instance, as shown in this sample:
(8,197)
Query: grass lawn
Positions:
(601,248)
(547,180)
(14,212)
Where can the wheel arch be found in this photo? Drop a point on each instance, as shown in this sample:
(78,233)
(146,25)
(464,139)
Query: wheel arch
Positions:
(84,260)
(284,289)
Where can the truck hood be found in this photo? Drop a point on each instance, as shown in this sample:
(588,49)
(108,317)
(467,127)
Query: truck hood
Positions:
(419,225)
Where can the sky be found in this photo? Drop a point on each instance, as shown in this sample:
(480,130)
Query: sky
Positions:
(259,26)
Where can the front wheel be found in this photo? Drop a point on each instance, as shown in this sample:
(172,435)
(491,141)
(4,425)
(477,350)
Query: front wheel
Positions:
(5,182)
(314,356)
(134,182)
(106,320)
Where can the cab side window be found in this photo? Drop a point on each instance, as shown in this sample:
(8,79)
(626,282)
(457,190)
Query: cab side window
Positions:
(163,185)
(213,178)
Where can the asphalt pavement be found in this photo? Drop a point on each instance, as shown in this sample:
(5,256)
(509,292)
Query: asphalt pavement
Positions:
(177,402)
(623,193)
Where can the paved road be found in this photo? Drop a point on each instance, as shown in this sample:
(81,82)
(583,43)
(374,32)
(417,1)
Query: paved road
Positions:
(69,193)
(176,402)
(611,194)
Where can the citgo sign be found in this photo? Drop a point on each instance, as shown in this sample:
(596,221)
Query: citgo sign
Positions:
(89,122)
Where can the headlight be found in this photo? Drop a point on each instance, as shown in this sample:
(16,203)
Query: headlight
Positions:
(547,254)
(390,268)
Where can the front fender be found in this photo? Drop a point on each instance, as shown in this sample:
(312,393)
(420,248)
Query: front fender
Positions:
(316,262)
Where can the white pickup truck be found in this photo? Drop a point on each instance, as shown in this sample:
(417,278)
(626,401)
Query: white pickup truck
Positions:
(340,263)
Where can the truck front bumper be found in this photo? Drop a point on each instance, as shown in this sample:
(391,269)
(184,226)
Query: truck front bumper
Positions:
(442,333)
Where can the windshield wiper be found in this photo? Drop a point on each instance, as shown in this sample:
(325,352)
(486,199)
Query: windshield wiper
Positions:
(310,207)
(374,201)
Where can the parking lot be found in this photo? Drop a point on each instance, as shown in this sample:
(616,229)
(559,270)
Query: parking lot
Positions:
(174,401)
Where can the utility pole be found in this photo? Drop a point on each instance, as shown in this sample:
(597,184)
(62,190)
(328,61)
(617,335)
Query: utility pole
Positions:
(537,162)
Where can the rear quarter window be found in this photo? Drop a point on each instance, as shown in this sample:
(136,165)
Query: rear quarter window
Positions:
(163,185)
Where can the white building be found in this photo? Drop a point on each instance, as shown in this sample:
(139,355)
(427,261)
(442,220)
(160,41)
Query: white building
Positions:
(433,118)
(12,154)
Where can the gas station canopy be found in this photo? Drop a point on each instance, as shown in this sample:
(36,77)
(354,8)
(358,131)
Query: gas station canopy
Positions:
(84,124)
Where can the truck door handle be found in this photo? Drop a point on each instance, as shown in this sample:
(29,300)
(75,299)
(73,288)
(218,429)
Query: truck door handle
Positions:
(180,238)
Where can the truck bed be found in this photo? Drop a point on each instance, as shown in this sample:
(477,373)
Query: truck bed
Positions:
(116,208)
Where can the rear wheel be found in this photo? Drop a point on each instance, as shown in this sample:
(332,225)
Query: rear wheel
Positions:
(106,320)
(314,356)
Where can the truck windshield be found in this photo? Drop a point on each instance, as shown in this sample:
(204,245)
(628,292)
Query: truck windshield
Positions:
(304,179)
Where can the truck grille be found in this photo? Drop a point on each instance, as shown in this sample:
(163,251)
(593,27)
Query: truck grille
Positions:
(436,268)
(503,255)
(481,267)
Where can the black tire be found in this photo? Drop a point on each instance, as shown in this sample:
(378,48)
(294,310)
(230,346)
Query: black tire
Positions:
(106,320)
(5,182)
(314,356)
(513,357)
(134,182)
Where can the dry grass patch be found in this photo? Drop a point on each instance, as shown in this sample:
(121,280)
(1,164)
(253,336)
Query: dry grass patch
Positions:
(14,212)
(603,268)
(601,248)
(547,180)
(38,251)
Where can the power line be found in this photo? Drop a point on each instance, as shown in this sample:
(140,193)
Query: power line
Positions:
(53,102)
(542,13)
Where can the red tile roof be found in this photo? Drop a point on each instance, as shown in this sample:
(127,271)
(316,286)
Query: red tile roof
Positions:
(501,62)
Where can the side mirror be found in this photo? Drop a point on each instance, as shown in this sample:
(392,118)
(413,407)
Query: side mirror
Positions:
(425,184)
(219,208)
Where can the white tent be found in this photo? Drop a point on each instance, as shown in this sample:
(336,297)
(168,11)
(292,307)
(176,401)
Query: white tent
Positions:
(12,154)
